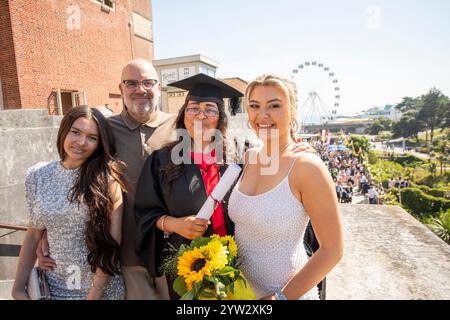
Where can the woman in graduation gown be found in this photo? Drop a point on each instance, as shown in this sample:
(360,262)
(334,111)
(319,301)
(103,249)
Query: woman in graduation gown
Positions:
(169,194)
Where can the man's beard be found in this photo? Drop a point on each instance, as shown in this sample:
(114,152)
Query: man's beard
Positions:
(141,108)
(145,108)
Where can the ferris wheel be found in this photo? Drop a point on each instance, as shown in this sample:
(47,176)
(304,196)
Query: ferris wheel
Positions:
(318,93)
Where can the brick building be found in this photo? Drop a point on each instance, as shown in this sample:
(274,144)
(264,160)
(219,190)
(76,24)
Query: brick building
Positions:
(61,53)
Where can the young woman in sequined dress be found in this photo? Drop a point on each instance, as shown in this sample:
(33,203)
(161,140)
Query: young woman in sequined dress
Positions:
(77,200)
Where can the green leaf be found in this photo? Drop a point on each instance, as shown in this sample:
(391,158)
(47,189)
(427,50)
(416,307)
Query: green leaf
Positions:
(226,270)
(231,286)
(187,296)
(182,249)
(179,286)
(207,294)
(208,279)
(200,241)
(196,288)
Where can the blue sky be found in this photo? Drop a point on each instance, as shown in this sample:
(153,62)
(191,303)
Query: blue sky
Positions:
(379,51)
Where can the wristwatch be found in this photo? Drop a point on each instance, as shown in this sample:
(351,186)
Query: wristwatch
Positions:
(279,295)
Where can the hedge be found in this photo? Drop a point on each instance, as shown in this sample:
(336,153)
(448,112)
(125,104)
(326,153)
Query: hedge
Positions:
(408,160)
(421,203)
(434,191)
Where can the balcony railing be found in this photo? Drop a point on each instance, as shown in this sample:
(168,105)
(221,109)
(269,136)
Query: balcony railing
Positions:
(10,250)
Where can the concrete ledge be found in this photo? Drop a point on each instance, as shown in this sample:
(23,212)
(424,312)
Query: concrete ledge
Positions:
(5,289)
(27,118)
(389,255)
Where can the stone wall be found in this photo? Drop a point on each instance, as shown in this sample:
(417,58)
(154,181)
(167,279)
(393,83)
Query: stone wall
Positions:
(26,137)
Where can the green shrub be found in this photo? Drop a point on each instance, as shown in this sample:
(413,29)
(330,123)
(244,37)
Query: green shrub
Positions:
(408,160)
(421,204)
(441,226)
(436,192)
(435,181)
(391,196)
(373,157)
(384,170)
(422,149)
(384,135)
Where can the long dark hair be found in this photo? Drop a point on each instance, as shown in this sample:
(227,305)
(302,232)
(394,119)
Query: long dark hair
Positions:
(173,171)
(92,187)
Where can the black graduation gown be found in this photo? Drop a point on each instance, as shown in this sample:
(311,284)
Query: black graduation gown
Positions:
(154,198)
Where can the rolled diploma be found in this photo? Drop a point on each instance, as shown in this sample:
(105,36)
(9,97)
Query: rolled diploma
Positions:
(221,189)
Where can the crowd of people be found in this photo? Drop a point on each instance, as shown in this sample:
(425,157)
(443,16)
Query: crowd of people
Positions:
(350,176)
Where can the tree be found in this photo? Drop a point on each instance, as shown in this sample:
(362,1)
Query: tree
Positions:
(441,151)
(384,135)
(408,126)
(360,146)
(446,116)
(381,124)
(432,107)
(375,128)
(407,104)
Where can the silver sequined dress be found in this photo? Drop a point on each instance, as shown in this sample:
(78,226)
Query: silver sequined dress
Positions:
(269,230)
(47,186)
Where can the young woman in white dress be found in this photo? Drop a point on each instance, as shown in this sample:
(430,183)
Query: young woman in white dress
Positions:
(271,210)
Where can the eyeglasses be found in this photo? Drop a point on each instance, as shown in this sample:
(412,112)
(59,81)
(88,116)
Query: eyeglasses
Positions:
(209,112)
(133,84)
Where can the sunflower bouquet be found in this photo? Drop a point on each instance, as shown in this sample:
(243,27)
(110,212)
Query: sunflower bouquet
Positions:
(207,269)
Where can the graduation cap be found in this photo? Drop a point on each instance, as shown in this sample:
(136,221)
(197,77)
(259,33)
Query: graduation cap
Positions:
(203,88)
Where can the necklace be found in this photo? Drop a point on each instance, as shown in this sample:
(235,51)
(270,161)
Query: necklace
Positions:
(269,158)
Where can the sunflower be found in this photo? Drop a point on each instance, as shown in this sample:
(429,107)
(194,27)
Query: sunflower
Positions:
(232,247)
(216,254)
(193,266)
(229,242)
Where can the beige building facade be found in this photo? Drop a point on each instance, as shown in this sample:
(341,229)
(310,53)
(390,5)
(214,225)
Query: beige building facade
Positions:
(179,68)
(175,69)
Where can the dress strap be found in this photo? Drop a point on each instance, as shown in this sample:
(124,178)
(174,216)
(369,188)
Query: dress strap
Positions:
(292,166)
(246,162)
(243,169)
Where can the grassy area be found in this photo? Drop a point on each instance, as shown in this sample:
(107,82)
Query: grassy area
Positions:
(422,135)
(437,133)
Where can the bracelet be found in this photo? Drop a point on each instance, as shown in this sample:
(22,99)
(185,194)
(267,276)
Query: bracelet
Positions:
(163,229)
(279,295)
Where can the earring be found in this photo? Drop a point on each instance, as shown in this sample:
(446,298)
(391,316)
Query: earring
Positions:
(294,125)
(249,125)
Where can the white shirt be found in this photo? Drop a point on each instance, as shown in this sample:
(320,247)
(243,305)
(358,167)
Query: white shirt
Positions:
(372,193)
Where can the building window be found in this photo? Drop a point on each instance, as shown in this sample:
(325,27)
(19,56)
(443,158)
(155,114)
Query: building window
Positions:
(211,72)
(107,6)
(108,3)
(67,99)
(208,71)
